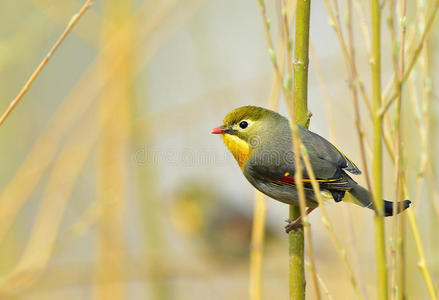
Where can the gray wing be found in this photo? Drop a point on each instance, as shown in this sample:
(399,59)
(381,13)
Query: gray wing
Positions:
(277,158)
(326,159)
(274,175)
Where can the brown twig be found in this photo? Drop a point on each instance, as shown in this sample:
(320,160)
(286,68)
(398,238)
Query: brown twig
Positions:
(335,23)
(43,63)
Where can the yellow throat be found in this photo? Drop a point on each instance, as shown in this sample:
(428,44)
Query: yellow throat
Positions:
(239,148)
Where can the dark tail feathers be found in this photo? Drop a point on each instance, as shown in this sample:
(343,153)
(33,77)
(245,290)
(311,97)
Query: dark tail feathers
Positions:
(363,199)
(388,207)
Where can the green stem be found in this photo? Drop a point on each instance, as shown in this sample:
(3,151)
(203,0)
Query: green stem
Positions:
(301,61)
(301,53)
(380,246)
(297,261)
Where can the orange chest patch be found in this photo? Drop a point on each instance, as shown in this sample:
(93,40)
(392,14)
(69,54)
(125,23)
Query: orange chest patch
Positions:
(239,148)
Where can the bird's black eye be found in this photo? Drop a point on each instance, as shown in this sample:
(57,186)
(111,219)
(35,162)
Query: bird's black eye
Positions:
(243,124)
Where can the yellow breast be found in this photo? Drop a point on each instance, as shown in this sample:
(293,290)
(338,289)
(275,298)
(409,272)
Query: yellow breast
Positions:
(239,148)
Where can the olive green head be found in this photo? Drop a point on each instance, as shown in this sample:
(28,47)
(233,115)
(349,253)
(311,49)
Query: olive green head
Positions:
(245,122)
(244,129)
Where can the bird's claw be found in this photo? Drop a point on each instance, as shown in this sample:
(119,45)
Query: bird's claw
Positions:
(293,225)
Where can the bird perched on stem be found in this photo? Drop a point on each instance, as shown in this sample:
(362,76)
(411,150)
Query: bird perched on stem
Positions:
(261,142)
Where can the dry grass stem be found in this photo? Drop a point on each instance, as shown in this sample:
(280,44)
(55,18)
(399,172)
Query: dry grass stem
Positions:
(45,60)
(360,287)
(415,56)
(397,246)
(257,244)
(326,221)
(349,62)
(87,89)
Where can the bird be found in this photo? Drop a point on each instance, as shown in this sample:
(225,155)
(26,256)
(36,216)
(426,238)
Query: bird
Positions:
(261,142)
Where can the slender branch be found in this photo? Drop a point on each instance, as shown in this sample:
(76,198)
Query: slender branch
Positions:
(358,286)
(326,222)
(353,77)
(260,206)
(273,102)
(360,9)
(413,60)
(87,89)
(270,44)
(296,238)
(387,139)
(348,61)
(420,125)
(259,214)
(299,115)
(400,221)
(257,244)
(43,63)
(422,263)
(42,239)
(380,243)
(322,284)
(397,246)
(433,187)
(389,146)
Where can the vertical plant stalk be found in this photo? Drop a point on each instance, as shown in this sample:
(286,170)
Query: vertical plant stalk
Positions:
(418,49)
(44,237)
(349,63)
(389,99)
(413,223)
(259,214)
(257,244)
(327,223)
(299,115)
(377,151)
(147,196)
(422,263)
(356,279)
(428,157)
(353,87)
(301,61)
(411,216)
(112,148)
(296,238)
(156,253)
(398,228)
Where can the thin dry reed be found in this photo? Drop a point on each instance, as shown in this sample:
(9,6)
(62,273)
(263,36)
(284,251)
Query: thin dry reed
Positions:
(113,146)
(45,60)
(382,105)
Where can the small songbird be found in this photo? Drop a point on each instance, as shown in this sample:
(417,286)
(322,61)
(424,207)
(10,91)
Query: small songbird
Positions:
(261,142)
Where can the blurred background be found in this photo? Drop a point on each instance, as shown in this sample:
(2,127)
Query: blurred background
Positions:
(112,186)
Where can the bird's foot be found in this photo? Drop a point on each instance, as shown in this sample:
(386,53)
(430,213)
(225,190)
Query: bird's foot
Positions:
(293,225)
(296,224)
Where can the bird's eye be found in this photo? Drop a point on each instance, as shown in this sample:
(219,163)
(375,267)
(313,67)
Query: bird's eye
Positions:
(243,124)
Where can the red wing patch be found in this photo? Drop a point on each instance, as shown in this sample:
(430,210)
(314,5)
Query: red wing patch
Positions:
(288,179)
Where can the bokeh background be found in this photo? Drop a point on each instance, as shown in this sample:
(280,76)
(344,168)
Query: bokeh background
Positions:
(112,186)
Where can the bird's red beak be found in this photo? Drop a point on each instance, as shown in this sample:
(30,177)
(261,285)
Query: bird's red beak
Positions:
(218,130)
